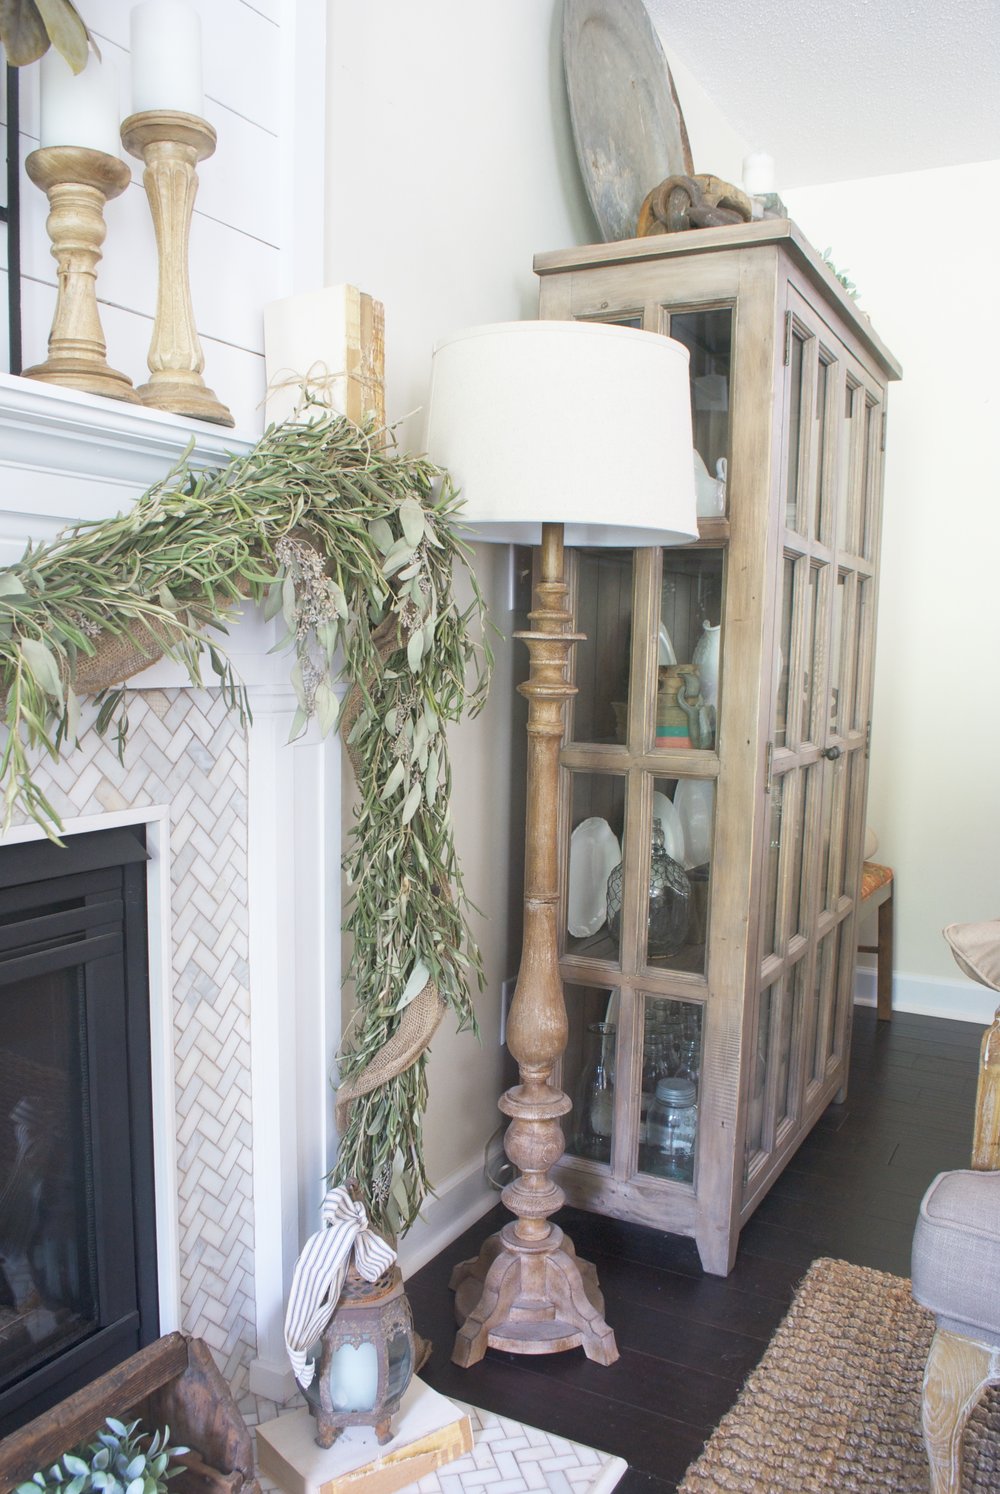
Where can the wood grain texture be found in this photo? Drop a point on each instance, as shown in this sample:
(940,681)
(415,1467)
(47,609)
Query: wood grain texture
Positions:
(986,1144)
(958,1372)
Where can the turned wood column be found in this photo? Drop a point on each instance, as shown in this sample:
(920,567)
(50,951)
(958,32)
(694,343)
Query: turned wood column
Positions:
(171,143)
(78,182)
(526,1291)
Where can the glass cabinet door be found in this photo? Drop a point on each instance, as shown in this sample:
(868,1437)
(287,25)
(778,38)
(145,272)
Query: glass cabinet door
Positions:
(823,630)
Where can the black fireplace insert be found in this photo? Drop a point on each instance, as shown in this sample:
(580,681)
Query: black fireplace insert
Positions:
(78,1279)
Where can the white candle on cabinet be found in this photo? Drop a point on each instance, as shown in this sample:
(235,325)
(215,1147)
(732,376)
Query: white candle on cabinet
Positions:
(758,174)
(166,57)
(79,108)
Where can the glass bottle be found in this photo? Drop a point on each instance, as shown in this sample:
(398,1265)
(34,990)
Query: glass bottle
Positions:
(669,900)
(595,1105)
(672,1129)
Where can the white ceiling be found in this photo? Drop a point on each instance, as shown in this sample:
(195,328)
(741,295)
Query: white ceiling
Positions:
(842,89)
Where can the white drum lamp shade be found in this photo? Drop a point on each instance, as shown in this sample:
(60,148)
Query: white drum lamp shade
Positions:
(577,423)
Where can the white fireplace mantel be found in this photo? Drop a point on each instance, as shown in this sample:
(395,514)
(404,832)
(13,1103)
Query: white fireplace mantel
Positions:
(67,457)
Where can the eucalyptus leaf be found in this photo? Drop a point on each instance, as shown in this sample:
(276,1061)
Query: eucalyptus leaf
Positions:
(415,649)
(10,585)
(412,803)
(41,662)
(419,976)
(411,516)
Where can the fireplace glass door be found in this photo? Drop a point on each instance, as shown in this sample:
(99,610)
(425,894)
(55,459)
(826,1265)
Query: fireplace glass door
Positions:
(77,1234)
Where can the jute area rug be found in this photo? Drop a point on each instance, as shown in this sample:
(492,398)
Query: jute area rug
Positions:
(834,1405)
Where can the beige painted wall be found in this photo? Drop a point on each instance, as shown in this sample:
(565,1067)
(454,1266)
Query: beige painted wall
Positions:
(927,277)
(450,164)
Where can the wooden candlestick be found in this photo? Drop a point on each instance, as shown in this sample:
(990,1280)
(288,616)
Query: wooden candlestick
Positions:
(527,1292)
(78,182)
(171,143)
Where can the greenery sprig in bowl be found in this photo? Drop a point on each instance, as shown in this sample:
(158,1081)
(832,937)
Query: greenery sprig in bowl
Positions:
(121,1460)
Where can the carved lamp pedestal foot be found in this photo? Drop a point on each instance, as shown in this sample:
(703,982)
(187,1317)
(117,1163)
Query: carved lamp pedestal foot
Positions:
(78,182)
(171,143)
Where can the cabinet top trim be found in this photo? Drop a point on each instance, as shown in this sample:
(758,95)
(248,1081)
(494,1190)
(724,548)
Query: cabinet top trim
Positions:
(781,232)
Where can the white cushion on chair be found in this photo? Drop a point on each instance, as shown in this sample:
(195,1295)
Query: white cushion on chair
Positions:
(956,1253)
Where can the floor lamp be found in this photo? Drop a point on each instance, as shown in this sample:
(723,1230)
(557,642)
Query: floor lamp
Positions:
(560,433)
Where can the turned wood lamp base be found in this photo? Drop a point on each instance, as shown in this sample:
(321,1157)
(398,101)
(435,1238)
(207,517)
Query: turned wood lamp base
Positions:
(529,1298)
(527,1292)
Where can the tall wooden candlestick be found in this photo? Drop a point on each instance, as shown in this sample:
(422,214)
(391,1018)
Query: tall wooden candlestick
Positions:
(527,1291)
(78,182)
(171,143)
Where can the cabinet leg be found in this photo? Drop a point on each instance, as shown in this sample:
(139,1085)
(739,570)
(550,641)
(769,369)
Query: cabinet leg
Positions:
(717,1249)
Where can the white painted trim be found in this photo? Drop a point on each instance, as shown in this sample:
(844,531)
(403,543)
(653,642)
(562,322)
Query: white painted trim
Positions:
(156,819)
(930,996)
(293,888)
(456,1204)
(69,455)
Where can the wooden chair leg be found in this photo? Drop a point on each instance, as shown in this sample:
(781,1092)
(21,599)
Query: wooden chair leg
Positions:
(958,1371)
(884,958)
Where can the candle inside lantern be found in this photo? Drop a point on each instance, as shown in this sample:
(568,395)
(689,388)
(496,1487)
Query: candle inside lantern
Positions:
(166,57)
(353,1377)
(758,174)
(79,108)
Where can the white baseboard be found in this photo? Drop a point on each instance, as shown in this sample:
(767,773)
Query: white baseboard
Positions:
(458,1201)
(930,996)
(275,1382)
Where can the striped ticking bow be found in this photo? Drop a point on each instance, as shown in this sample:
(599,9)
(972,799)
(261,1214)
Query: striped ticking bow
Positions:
(318,1278)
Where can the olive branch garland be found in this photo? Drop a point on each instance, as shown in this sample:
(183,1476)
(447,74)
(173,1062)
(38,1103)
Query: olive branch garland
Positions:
(351,543)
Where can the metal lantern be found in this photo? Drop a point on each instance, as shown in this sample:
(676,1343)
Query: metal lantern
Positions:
(366,1358)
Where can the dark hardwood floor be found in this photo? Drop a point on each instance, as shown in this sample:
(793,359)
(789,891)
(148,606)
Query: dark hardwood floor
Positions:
(687,1340)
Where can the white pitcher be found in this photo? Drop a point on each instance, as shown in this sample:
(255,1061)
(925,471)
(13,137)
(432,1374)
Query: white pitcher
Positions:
(706,661)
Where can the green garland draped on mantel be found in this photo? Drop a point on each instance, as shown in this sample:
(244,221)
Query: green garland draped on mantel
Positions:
(353,544)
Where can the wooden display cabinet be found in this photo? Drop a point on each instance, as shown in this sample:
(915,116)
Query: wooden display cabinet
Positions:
(735,975)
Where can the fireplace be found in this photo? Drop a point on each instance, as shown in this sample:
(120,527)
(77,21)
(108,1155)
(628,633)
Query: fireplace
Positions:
(78,1272)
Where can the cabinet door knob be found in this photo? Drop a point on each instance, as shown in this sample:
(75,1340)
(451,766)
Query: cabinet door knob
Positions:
(832,753)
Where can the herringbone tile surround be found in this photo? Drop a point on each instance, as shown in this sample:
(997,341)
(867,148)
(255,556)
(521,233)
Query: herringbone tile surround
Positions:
(186,750)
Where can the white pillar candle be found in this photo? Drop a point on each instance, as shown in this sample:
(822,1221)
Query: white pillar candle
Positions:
(166,57)
(758,174)
(79,108)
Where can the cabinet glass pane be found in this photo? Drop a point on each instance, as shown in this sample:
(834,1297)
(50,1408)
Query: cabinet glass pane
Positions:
(869,485)
(597,810)
(861,643)
(758,1076)
(822,528)
(813,648)
(852,434)
(837,653)
(835,828)
(708,337)
(808,784)
(791,1016)
(688,649)
(772,867)
(671,1075)
(822,1004)
(794,484)
(679,883)
(588,1071)
(601,667)
(784,655)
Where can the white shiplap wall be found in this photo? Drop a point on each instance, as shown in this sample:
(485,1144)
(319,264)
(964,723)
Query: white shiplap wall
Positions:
(253,237)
